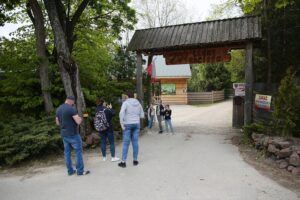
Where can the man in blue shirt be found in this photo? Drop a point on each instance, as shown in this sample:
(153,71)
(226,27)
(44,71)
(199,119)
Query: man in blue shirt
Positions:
(68,120)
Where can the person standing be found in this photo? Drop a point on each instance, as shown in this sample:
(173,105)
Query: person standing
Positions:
(168,123)
(151,114)
(160,114)
(130,114)
(107,134)
(68,120)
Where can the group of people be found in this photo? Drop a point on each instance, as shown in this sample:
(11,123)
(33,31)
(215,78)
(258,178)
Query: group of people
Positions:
(68,120)
(162,113)
(130,116)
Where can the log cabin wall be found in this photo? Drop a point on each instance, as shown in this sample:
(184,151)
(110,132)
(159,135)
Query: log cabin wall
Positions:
(181,95)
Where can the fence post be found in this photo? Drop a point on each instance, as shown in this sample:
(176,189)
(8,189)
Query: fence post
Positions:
(212,96)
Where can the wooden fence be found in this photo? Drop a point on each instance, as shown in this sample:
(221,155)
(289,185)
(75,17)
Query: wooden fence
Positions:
(205,97)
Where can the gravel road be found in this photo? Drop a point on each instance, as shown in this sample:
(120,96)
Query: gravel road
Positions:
(197,163)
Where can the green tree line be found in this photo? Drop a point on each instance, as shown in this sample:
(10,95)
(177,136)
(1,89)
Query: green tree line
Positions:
(64,48)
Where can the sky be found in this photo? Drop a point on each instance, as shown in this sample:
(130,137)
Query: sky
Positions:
(199,10)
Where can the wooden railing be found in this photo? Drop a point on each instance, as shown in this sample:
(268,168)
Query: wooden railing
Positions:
(205,97)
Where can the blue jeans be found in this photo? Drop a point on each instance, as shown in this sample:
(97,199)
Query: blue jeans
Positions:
(150,122)
(108,134)
(131,133)
(75,142)
(168,124)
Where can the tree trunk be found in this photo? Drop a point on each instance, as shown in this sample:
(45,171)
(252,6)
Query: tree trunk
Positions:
(269,49)
(38,21)
(68,68)
(139,78)
(249,84)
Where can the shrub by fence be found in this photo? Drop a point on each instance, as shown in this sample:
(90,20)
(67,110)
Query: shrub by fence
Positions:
(205,97)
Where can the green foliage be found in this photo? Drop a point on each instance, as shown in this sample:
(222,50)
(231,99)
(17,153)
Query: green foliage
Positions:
(249,129)
(20,90)
(23,138)
(287,106)
(223,10)
(236,66)
(249,6)
(209,77)
(282,18)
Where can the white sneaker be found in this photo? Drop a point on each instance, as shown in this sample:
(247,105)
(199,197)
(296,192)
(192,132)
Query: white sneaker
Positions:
(115,159)
(104,159)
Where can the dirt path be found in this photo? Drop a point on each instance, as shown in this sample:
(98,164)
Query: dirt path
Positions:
(198,163)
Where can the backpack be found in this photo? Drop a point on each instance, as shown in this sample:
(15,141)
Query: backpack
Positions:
(100,121)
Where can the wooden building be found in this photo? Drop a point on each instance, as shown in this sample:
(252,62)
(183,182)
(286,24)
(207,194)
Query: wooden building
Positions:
(173,80)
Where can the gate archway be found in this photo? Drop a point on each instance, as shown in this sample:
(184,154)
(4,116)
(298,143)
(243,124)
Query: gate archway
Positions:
(201,42)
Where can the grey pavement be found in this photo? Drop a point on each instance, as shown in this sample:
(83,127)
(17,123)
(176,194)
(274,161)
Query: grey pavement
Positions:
(197,163)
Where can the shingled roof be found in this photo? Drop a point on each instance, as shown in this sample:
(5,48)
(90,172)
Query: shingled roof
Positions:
(201,34)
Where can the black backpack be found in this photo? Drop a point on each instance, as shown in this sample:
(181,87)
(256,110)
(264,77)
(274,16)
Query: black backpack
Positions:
(100,121)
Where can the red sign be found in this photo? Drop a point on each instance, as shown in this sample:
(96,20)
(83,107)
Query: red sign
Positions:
(207,55)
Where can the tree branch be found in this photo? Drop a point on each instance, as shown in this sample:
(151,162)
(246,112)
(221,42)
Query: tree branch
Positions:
(61,13)
(28,10)
(79,12)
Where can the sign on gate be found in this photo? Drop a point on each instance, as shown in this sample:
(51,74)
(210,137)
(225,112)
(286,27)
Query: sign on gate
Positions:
(193,56)
(239,89)
(263,101)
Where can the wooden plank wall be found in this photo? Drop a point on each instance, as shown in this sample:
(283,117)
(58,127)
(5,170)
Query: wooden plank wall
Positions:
(205,97)
(181,95)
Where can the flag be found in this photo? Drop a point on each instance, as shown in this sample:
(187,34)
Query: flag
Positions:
(149,69)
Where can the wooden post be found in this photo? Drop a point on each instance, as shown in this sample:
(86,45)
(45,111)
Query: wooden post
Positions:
(139,78)
(249,84)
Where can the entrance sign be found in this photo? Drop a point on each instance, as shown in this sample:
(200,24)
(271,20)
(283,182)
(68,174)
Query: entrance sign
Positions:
(263,101)
(239,89)
(193,56)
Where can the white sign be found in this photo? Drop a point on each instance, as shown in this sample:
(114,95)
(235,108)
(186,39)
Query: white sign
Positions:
(239,89)
(263,101)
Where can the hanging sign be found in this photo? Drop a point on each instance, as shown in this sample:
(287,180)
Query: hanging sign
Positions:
(239,89)
(263,101)
(193,56)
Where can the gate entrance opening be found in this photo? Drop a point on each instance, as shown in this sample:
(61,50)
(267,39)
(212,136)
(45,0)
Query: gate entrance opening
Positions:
(202,42)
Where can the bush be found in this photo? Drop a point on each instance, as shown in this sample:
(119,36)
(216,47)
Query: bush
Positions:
(287,106)
(249,129)
(23,138)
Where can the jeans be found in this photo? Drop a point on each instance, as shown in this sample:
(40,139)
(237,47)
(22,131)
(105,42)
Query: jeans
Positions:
(159,119)
(131,133)
(75,142)
(169,123)
(108,134)
(150,122)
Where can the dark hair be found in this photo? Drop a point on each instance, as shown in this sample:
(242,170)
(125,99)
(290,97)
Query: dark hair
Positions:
(130,94)
(99,102)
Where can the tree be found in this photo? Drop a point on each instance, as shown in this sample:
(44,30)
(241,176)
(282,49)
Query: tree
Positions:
(236,66)
(35,13)
(124,66)
(154,13)
(287,106)
(281,29)
(209,77)
(19,91)
(63,25)
(227,9)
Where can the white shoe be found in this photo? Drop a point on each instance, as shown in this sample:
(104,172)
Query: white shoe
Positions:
(104,159)
(115,159)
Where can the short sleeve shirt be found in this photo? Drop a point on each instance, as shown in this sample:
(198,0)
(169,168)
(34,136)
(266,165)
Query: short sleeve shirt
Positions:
(65,114)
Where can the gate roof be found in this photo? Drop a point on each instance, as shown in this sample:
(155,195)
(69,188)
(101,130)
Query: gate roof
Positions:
(226,32)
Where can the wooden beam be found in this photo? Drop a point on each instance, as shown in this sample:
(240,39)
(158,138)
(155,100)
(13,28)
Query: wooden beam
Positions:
(249,84)
(139,78)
